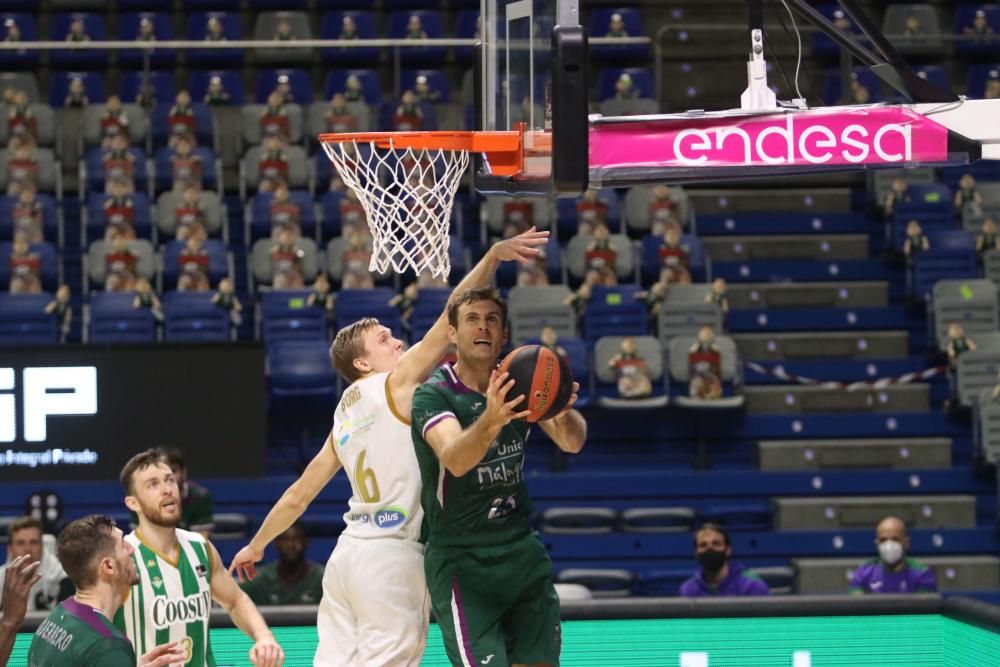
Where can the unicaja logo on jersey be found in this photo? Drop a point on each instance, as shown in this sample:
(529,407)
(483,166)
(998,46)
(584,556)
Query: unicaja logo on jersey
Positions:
(167,611)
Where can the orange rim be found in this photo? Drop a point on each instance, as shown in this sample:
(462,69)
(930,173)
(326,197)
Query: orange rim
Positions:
(446,140)
(504,149)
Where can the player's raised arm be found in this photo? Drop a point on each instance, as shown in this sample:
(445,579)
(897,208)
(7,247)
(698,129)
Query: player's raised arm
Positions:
(420,359)
(292,504)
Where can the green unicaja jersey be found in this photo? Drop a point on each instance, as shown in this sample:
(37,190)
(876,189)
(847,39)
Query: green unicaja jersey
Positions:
(488,505)
(77,635)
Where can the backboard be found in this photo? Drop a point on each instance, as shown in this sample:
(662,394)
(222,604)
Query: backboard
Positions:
(531,69)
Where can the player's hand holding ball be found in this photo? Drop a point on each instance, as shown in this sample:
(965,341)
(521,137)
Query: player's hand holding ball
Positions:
(499,411)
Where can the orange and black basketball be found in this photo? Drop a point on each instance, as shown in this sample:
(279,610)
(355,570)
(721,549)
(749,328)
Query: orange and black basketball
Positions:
(542,376)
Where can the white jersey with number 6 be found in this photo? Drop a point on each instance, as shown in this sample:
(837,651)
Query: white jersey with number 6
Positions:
(372,441)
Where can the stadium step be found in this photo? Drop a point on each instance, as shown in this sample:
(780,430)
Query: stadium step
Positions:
(819,576)
(802,201)
(753,224)
(814,247)
(871,294)
(802,399)
(838,370)
(855,454)
(822,344)
(958,511)
(829,319)
(803,270)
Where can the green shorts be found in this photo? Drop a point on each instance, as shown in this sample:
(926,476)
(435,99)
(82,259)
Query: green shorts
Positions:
(495,606)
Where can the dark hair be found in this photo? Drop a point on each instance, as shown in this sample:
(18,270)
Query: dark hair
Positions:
(138,463)
(82,544)
(349,345)
(714,527)
(22,523)
(472,295)
(174,457)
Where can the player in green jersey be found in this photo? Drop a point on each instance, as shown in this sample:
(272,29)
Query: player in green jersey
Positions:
(22,575)
(489,576)
(79,632)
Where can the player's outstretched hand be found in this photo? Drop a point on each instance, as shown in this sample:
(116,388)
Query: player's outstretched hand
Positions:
(22,574)
(522,248)
(163,655)
(266,653)
(572,400)
(499,411)
(244,564)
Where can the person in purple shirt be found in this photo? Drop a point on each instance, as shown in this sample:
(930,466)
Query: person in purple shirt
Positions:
(892,571)
(718,575)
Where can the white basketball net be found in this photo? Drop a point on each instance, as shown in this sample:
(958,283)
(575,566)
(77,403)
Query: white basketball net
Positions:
(407,195)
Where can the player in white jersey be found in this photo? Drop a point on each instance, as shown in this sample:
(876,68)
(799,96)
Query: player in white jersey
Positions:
(375,606)
(180,574)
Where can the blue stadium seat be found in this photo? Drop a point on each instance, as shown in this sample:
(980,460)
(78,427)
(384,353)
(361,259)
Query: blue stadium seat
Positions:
(652,262)
(301,369)
(259,213)
(465,28)
(739,516)
(94,166)
(642,81)
(160,131)
(48,256)
(975,85)
(952,255)
(164,169)
(210,5)
(823,44)
(93,86)
(437,80)
(336,82)
(145,5)
(329,204)
(114,320)
(50,217)
(197,29)
(662,582)
(163,29)
(352,305)
(19,5)
(162,83)
(608,53)
(331,28)
(23,320)
(984,171)
(192,317)
(232,83)
(929,203)
(218,262)
(568,217)
(430,21)
(324,171)
(29,33)
(429,305)
(298,80)
(968,44)
(96,224)
(936,74)
(865,77)
(67,59)
(284,316)
(614,311)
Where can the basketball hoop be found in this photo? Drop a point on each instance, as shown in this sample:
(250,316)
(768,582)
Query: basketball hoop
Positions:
(406,184)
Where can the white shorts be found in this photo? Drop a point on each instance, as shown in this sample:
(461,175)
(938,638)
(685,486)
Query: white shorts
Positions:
(375,605)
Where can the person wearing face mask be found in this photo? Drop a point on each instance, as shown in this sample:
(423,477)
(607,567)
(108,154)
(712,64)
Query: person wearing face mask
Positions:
(718,574)
(892,571)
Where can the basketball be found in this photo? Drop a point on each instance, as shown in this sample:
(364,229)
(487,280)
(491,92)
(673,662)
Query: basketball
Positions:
(542,376)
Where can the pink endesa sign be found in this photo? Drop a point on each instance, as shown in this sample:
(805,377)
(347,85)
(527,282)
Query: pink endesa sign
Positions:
(849,136)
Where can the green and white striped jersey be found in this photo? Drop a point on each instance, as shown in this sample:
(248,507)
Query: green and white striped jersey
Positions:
(173,600)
